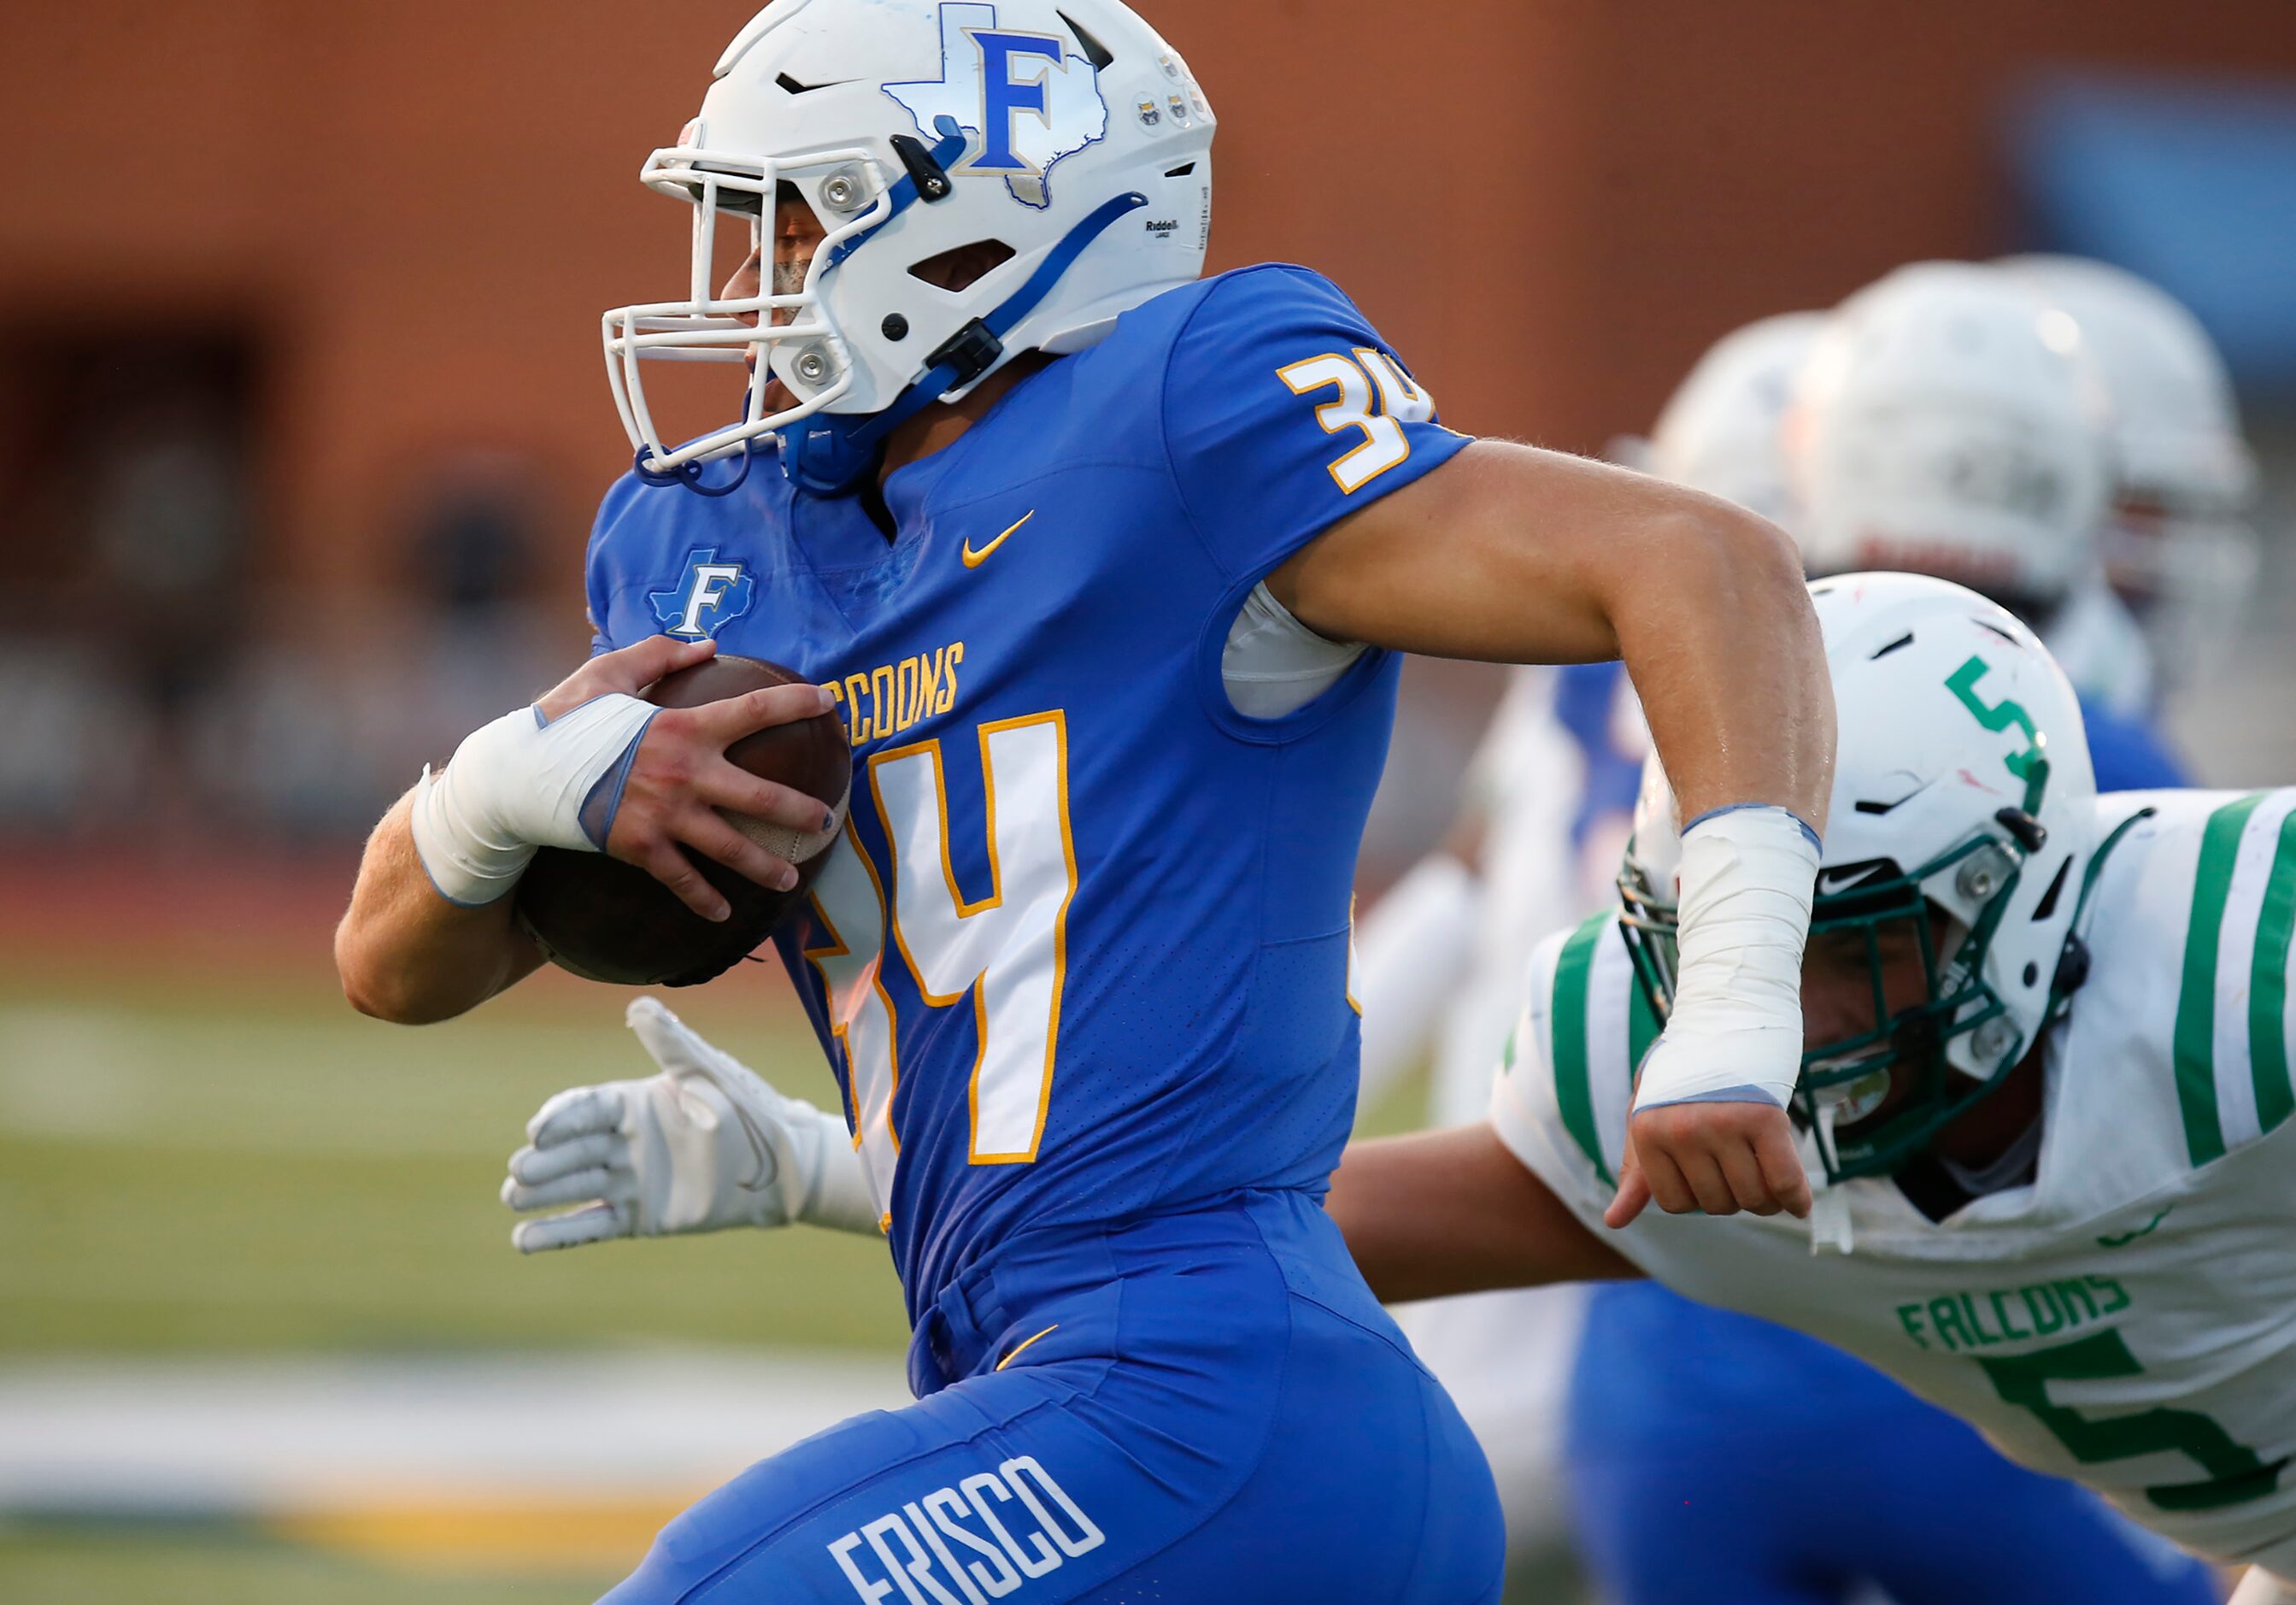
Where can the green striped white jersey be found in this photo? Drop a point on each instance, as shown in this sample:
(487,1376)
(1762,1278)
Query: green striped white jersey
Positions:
(2129,1320)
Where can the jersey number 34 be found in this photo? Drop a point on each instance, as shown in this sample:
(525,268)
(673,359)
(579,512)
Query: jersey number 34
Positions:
(1357,377)
(1006,952)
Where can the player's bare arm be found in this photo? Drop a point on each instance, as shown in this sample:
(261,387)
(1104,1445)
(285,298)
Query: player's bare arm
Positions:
(404,953)
(1513,554)
(1509,554)
(1439,1213)
(431,936)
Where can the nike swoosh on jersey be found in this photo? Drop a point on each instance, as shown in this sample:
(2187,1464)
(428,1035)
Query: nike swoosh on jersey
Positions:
(973,559)
(2122,1239)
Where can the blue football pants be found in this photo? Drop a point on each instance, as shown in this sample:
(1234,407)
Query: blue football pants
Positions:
(1716,1458)
(1198,1407)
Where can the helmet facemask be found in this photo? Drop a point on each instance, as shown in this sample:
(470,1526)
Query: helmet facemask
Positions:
(2185,566)
(1876,1098)
(792,334)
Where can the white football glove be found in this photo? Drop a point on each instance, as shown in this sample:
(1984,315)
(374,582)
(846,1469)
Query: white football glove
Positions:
(703,1145)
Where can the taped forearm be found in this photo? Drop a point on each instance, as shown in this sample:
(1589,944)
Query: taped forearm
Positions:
(1735,1033)
(520,783)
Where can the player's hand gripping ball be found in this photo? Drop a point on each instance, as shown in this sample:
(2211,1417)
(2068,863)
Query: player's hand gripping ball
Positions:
(608,920)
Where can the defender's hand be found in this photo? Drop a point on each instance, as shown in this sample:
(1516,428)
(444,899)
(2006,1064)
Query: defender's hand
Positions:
(680,777)
(1715,1157)
(703,1145)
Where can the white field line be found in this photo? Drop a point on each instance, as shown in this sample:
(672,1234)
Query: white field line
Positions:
(280,1435)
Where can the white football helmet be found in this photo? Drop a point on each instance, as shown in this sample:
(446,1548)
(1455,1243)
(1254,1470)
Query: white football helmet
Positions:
(1720,431)
(1064,130)
(2178,547)
(1947,424)
(1962,789)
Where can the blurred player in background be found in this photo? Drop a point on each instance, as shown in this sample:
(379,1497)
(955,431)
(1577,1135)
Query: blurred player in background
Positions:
(2048,1086)
(1952,420)
(2178,549)
(1079,953)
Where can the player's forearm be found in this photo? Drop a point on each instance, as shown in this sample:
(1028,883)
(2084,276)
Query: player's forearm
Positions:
(1509,553)
(1717,633)
(1439,1213)
(407,955)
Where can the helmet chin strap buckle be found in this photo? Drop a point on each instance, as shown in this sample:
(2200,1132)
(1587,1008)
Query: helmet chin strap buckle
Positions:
(2030,833)
(969,353)
(926,168)
(2072,968)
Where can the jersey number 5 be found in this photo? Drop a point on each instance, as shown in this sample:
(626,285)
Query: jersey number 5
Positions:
(1355,377)
(1006,952)
(2235,1473)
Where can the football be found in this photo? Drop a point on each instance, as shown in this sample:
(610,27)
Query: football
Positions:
(606,920)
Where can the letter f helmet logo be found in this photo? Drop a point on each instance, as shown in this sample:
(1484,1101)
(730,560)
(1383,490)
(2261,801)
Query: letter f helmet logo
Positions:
(1028,101)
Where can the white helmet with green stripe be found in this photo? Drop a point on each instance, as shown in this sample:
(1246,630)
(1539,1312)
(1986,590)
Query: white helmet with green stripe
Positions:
(1962,812)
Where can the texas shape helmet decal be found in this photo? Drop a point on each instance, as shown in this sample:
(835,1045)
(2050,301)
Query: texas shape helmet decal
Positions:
(1025,99)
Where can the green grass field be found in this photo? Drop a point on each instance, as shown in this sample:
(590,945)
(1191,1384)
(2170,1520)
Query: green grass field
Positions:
(134,1566)
(226,1166)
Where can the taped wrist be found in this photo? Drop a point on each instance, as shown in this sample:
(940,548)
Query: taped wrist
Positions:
(523,782)
(1735,1033)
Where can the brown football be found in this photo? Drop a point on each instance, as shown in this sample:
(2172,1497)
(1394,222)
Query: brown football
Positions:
(606,920)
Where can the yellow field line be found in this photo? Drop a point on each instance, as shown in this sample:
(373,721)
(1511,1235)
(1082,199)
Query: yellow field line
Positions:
(488,1534)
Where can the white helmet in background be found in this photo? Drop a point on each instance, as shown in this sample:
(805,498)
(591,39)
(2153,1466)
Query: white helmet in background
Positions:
(1720,431)
(2178,547)
(1947,424)
(1962,796)
(2175,426)
(1064,131)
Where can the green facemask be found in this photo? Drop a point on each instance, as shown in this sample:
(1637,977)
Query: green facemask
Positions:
(1879,1096)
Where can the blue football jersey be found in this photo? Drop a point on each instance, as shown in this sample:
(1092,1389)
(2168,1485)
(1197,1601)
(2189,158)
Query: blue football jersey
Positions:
(2129,755)
(1082,952)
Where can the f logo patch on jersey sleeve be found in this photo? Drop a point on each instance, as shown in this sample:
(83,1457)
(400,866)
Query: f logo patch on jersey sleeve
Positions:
(1026,100)
(708,596)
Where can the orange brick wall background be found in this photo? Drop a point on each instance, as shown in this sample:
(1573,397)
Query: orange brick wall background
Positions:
(419,209)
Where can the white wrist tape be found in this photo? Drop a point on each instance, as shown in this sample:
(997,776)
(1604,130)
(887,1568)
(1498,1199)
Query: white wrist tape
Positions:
(1735,1033)
(524,782)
